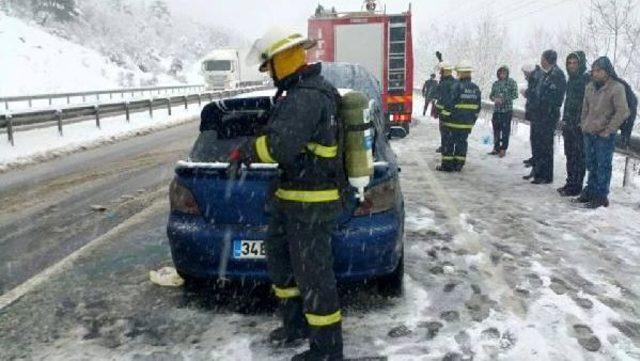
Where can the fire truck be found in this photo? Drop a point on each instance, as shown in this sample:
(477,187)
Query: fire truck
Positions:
(380,42)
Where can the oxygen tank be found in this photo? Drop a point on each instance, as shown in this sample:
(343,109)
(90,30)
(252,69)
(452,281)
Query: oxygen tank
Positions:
(355,113)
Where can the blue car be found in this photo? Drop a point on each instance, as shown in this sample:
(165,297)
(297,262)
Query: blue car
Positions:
(218,218)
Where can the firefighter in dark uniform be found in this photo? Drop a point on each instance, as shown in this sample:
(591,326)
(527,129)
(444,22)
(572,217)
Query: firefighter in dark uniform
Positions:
(463,102)
(302,137)
(442,94)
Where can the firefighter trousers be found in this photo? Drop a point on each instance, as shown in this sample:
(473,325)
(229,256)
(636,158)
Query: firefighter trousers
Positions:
(454,149)
(300,264)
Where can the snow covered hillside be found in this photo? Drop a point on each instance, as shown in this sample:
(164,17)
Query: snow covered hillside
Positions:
(34,61)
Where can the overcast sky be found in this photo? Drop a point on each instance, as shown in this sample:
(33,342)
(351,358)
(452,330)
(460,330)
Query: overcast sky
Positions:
(251,17)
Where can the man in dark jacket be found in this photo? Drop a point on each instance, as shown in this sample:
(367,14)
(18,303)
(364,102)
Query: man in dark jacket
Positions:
(302,137)
(428,90)
(571,132)
(444,92)
(503,92)
(550,90)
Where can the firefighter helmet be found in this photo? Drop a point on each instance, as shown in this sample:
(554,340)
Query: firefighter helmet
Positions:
(464,67)
(274,41)
(446,67)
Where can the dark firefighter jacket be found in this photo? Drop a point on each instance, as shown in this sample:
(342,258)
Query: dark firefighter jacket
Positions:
(575,91)
(302,137)
(444,95)
(465,105)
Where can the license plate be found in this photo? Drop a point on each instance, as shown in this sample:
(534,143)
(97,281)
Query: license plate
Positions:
(245,249)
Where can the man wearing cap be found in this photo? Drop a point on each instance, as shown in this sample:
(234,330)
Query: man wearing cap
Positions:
(464,102)
(302,137)
(604,109)
(549,92)
(428,91)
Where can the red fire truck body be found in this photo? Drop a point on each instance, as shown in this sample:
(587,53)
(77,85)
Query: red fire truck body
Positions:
(380,42)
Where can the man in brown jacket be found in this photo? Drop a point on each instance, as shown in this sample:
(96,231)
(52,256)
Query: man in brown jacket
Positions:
(603,111)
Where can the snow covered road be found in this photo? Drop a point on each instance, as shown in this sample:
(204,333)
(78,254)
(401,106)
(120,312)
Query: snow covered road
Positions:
(497,269)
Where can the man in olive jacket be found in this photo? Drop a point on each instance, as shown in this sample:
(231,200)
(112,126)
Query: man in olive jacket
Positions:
(503,92)
(603,111)
(571,132)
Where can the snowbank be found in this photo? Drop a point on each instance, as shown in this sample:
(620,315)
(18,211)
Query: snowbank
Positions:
(34,61)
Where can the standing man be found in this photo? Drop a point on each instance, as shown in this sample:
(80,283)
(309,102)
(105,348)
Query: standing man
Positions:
(550,91)
(428,91)
(464,103)
(571,132)
(605,108)
(302,137)
(443,99)
(532,75)
(503,92)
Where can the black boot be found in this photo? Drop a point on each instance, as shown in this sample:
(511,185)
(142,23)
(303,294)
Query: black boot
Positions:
(583,198)
(325,344)
(598,202)
(294,327)
(444,168)
(569,191)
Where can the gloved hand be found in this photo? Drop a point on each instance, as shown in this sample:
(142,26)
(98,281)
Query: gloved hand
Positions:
(236,158)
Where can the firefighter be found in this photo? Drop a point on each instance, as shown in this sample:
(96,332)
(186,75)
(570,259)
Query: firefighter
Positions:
(442,95)
(463,102)
(302,137)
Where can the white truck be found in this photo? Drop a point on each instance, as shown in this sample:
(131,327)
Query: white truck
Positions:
(221,69)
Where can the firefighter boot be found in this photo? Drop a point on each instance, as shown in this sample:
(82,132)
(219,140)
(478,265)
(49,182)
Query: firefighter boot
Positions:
(294,325)
(325,344)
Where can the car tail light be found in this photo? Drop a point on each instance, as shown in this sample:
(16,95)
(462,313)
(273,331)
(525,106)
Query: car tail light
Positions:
(182,200)
(378,198)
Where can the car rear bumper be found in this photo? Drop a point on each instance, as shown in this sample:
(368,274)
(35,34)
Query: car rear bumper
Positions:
(364,248)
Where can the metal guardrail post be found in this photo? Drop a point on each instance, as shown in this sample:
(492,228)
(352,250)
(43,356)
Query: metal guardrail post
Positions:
(68,99)
(9,119)
(151,107)
(59,121)
(126,111)
(84,98)
(6,105)
(168,105)
(97,110)
(199,100)
(30,103)
(186,102)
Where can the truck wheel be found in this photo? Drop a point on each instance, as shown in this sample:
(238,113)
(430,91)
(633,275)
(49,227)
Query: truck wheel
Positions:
(391,285)
(406,127)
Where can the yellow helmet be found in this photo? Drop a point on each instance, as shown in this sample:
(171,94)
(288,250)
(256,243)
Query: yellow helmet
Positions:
(274,41)
(464,66)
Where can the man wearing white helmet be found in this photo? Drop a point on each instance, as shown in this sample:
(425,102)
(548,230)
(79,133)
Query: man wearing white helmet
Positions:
(464,104)
(443,95)
(302,137)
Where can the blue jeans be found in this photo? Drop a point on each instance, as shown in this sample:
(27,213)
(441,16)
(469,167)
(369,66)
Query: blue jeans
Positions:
(599,156)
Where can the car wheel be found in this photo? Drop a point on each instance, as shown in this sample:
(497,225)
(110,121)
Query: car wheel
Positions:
(391,285)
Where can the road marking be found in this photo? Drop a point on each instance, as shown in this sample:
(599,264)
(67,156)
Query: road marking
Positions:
(64,264)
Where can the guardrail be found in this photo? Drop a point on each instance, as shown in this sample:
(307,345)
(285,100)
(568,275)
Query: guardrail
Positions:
(97,93)
(99,111)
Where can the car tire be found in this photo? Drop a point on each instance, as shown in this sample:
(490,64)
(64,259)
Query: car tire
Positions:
(391,285)
(406,127)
